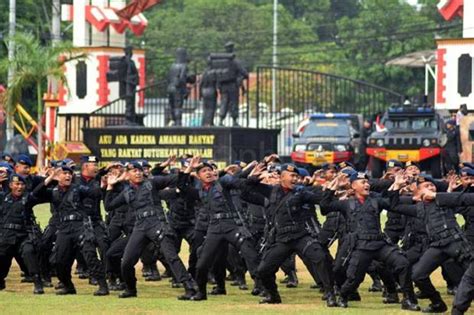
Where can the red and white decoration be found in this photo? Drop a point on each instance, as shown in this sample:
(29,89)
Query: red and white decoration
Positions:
(449,52)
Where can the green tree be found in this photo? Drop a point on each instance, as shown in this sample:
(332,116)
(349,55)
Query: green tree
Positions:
(33,64)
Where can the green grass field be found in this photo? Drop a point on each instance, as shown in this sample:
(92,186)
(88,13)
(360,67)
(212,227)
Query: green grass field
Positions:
(160,298)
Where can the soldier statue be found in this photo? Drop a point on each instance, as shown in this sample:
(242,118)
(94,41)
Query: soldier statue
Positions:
(229,75)
(177,90)
(208,94)
(128,81)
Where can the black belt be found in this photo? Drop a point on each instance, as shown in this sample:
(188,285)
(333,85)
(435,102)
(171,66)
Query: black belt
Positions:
(12,226)
(220,216)
(72,217)
(147,214)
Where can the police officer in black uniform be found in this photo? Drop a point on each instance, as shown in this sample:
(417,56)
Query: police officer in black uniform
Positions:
(289,233)
(19,232)
(225,226)
(445,236)
(362,213)
(142,197)
(75,231)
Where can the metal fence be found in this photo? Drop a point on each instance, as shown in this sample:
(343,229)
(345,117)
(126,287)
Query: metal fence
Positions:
(298,93)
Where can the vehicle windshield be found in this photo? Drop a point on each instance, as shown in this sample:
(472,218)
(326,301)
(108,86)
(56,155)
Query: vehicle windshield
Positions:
(327,128)
(417,123)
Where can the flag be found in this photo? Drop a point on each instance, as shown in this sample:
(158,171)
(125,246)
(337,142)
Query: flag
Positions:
(135,7)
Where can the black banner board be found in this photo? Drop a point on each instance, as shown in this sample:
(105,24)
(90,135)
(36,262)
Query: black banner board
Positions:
(221,144)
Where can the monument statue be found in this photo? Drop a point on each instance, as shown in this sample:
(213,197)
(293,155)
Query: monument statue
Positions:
(123,70)
(208,94)
(177,90)
(229,76)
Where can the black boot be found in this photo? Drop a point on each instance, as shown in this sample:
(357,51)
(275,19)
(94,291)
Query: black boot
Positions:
(59,286)
(331,300)
(128,294)
(38,289)
(376,286)
(354,296)
(218,291)
(409,305)
(66,290)
(438,307)
(292,280)
(166,274)
(146,271)
(93,281)
(271,298)
(189,291)
(103,288)
(199,296)
(2,284)
(154,274)
(342,302)
(391,298)
(47,283)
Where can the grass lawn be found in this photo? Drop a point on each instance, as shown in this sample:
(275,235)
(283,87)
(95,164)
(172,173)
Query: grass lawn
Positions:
(160,298)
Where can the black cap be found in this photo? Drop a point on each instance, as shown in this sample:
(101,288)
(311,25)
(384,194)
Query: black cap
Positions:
(394,163)
(467,170)
(204,164)
(466,164)
(89,159)
(134,165)
(24,159)
(327,166)
(289,167)
(424,178)
(14,178)
(358,175)
(145,163)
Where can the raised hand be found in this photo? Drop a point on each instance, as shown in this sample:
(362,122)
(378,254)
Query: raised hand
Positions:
(258,170)
(112,180)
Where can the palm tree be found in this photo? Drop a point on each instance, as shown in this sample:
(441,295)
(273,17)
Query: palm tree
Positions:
(34,64)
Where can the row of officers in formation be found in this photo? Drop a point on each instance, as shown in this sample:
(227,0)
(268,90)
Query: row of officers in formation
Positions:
(247,217)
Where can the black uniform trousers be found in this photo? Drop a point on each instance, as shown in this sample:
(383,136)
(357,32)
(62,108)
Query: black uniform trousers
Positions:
(465,293)
(148,230)
(313,254)
(15,243)
(114,255)
(431,259)
(390,256)
(215,240)
(46,250)
(186,233)
(70,242)
(451,270)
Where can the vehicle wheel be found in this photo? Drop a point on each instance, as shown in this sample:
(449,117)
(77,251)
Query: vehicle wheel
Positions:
(436,167)
(376,167)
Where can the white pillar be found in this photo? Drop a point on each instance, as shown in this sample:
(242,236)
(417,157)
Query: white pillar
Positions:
(80,27)
(468,19)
